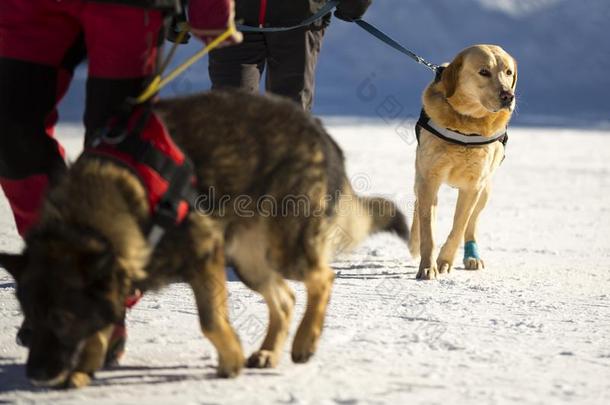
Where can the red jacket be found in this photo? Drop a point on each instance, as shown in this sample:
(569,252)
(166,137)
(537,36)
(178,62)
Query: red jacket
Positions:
(210,15)
(204,15)
(275,13)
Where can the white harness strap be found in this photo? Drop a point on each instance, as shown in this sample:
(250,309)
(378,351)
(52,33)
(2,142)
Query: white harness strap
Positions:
(466,139)
(448,135)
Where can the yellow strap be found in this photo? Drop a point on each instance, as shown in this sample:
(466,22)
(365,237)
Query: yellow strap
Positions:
(158,83)
(184,29)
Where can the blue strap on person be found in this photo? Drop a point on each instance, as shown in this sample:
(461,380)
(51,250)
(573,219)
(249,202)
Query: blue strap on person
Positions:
(471,250)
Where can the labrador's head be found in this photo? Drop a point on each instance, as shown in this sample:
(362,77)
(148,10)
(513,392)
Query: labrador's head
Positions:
(481,77)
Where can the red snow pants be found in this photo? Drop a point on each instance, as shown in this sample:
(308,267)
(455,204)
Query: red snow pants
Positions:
(41,42)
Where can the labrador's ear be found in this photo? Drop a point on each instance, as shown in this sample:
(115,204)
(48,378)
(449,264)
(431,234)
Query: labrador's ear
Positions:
(13,263)
(515,74)
(451,75)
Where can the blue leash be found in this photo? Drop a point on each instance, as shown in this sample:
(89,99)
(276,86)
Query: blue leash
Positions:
(327,8)
(389,41)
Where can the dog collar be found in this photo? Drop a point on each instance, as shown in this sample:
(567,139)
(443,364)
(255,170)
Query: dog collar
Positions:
(456,137)
(142,144)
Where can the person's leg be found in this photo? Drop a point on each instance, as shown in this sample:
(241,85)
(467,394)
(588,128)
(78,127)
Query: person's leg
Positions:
(291,64)
(26,205)
(240,65)
(122,46)
(39,48)
(74,57)
(35,42)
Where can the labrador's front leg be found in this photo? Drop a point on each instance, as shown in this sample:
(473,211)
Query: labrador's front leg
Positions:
(466,202)
(427,201)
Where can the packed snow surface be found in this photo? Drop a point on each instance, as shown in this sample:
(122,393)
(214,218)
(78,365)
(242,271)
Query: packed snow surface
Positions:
(532,328)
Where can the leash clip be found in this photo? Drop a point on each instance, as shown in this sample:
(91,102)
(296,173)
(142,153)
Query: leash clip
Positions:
(108,136)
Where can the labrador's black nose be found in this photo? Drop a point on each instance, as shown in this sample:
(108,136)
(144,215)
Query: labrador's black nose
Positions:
(507,97)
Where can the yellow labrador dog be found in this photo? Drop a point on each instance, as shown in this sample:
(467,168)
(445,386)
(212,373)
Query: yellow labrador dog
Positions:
(461,135)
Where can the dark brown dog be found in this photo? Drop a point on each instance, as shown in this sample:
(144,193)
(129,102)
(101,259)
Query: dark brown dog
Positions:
(275,200)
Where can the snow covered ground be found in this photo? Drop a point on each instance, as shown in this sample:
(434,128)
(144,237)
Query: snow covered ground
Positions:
(533,328)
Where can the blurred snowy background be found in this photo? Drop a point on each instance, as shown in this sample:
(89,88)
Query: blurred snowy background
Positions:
(562,46)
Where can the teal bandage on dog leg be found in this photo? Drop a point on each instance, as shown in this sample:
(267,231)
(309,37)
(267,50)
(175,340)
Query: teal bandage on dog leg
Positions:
(471,250)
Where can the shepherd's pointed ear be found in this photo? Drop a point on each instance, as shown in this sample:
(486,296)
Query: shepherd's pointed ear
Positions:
(13,263)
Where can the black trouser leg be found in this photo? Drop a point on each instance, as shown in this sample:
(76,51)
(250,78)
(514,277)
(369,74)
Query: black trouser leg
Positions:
(291,64)
(27,97)
(239,65)
(104,99)
(29,156)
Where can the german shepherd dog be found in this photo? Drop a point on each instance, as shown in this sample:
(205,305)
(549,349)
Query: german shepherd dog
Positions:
(89,250)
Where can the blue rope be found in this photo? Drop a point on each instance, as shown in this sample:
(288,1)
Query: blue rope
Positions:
(327,8)
(391,42)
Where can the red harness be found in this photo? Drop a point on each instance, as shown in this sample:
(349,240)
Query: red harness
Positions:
(143,145)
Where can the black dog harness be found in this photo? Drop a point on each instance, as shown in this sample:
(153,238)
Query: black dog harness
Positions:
(455,137)
(143,145)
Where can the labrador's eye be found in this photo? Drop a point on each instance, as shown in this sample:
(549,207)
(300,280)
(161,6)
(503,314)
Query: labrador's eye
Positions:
(485,73)
(509,72)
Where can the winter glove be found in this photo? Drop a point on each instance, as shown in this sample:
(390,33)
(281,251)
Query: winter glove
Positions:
(350,10)
(211,18)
